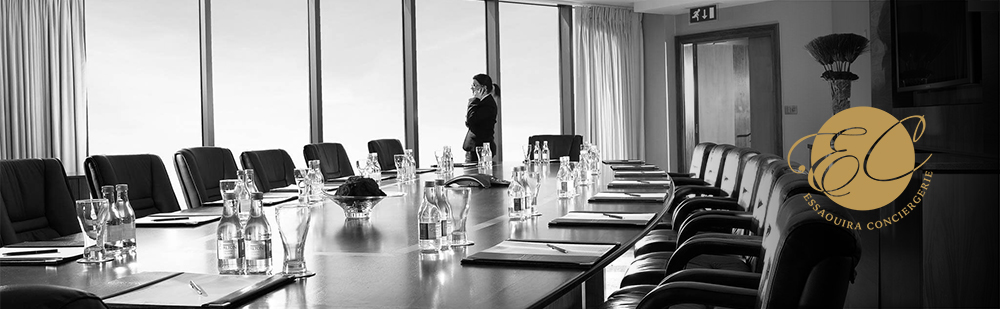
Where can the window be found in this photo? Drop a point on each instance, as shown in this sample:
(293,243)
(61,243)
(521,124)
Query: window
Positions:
(451,48)
(529,67)
(261,75)
(362,50)
(143,74)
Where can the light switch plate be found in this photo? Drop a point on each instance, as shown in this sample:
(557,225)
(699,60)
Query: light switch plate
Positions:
(791,109)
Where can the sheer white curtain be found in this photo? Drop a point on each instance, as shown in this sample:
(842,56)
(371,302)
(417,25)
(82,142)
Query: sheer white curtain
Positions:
(608,63)
(43,108)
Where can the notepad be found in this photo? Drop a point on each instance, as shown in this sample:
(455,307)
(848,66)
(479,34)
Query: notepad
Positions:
(656,173)
(639,183)
(596,218)
(178,220)
(269,199)
(624,161)
(62,255)
(166,289)
(641,167)
(542,253)
(651,197)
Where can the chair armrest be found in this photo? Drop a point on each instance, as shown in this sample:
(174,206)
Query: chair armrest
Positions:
(689,206)
(699,190)
(674,293)
(676,174)
(711,245)
(684,181)
(713,223)
(731,278)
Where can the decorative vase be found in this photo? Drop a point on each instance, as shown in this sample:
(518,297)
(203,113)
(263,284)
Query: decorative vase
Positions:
(841,92)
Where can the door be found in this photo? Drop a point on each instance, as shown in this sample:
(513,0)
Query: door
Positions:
(729,89)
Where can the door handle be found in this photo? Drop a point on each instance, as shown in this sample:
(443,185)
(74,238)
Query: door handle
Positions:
(743,135)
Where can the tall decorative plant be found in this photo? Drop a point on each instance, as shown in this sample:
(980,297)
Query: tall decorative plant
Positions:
(836,52)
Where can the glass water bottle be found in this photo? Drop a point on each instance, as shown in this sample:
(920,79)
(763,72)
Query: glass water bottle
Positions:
(229,237)
(429,221)
(257,238)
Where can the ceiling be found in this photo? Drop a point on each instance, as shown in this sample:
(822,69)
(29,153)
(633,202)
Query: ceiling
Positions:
(672,7)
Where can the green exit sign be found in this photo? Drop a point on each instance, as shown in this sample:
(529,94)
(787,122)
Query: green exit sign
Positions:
(703,13)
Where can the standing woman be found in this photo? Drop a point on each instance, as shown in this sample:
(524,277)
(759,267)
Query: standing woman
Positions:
(480,116)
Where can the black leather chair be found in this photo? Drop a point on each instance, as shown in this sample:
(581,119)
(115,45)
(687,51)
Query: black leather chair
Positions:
(651,267)
(35,201)
(386,149)
(273,168)
(808,262)
(666,239)
(200,169)
(560,145)
(333,160)
(47,296)
(149,189)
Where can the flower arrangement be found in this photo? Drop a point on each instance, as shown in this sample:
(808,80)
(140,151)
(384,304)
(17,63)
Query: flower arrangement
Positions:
(836,52)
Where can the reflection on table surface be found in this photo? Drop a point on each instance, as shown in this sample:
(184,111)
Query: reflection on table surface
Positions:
(375,262)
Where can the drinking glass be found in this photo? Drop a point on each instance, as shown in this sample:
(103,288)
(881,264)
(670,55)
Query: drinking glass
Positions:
(534,182)
(228,186)
(93,217)
(526,149)
(302,181)
(293,225)
(458,198)
(402,172)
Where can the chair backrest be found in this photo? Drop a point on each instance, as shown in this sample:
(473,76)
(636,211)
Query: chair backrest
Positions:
(35,201)
(386,148)
(560,145)
(808,261)
(149,189)
(765,187)
(732,171)
(47,296)
(333,160)
(199,170)
(714,163)
(751,176)
(273,168)
(698,158)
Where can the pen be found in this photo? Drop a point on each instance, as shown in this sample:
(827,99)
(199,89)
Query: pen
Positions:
(613,216)
(557,248)
(197,288)
(632,194)
(15,253)
(171,219)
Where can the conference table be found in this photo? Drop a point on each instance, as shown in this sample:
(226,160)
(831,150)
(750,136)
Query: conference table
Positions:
(375,262)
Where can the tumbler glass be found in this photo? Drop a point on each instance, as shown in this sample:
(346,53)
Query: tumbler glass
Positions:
(302,182)
(293,225)
(402,170)
(458,198)
(93,217)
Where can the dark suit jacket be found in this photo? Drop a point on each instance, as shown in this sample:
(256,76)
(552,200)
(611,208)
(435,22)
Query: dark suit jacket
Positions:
(480,117)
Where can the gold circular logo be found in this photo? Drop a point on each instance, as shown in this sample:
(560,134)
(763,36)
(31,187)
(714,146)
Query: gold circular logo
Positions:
(861,156)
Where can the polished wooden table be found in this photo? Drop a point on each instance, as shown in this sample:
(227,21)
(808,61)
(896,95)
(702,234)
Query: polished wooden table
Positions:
(375,263)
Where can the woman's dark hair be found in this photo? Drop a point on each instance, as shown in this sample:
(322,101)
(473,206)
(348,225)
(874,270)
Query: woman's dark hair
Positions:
(496,90)
(485,81)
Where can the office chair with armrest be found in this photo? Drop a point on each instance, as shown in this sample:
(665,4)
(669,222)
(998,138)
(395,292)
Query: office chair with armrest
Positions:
(273,168)
(149,189)
(718,226)
(35,201)
(199,170)
(386,148)
(560,145)
(333,160)
(808,262)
